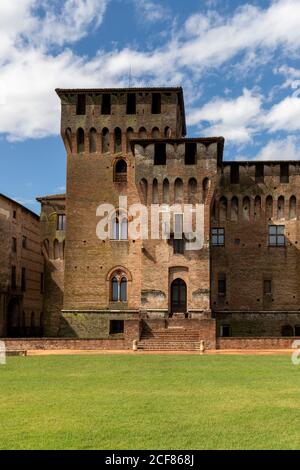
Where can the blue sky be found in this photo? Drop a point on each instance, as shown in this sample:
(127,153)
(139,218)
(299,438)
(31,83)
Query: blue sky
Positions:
(237,61)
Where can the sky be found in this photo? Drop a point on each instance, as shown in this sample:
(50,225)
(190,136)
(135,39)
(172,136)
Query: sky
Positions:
(238,63)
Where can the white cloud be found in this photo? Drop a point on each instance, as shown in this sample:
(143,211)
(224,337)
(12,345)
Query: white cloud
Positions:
(235,119)
(30,69)
(284,116)
(151,11)
(280,149)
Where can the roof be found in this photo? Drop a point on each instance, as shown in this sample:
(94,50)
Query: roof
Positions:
(20,205)
(202,140)
(179,90)
(51,197)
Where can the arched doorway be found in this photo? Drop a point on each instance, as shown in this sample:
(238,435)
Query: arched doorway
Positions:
(13,319)
(178,296)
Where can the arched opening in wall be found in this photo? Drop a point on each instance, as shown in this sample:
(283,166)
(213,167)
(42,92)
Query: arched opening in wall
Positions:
(234,211)
(287,330)
(155,191)
(178,190)
(205,189)
(155,133)
(56,250)
(118,287)
(144,190)
(129,136)
(257,207)
(13,321)
(80,140)
(280,208)
(269,207)
(293,208)
(119,226)
(68,139)
(142,133)
(93,140)
(192,191)
(178,296)
(214,212)
(168,133)
(166,191)
(118,140)
(105,140)
(223,209)
(246,208)
(47,247)
(120,171)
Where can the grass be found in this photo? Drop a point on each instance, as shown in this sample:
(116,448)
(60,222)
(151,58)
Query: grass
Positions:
(150,402)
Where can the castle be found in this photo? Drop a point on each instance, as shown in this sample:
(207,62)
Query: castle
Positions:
(240,283)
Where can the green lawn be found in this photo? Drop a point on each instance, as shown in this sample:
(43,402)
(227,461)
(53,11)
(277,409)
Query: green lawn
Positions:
(150,402)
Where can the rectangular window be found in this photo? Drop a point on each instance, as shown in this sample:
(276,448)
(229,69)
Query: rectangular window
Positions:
(276,235)
(259,173)
(267,287)
(234,174)
(23,280)
(42,283)
(116,327)
(218,236)
(131,103)
(160,154)
(13,277)
(297,330)
(156,103)
(14,214)
(222,284)
(24,242)
(61,222)
(284,173)
(178,246)
(190,153)
(81,105)
(14,245)
(106,105)
(225,331)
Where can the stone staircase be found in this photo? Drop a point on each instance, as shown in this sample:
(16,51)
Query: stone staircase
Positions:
(170,335)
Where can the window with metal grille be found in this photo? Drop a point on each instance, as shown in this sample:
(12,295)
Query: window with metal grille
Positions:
(218,236)
(276,235)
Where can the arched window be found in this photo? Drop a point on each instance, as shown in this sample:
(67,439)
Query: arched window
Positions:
(105,140)
(118,287)
(56,249)
(178,190)
(192,191)
(168,133)
(222,209)
(120,173)
(246,208)
(93,140)
(155,191)
(287,330)
(257,207)
(293,208)
(155,133)
(68,136)
(118,140)
(234,212)
(280,208)
(129,136)
(205,188)
(142,133)
(119,226)
(166,191)
(80,140)
(144,190)
(269,207)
